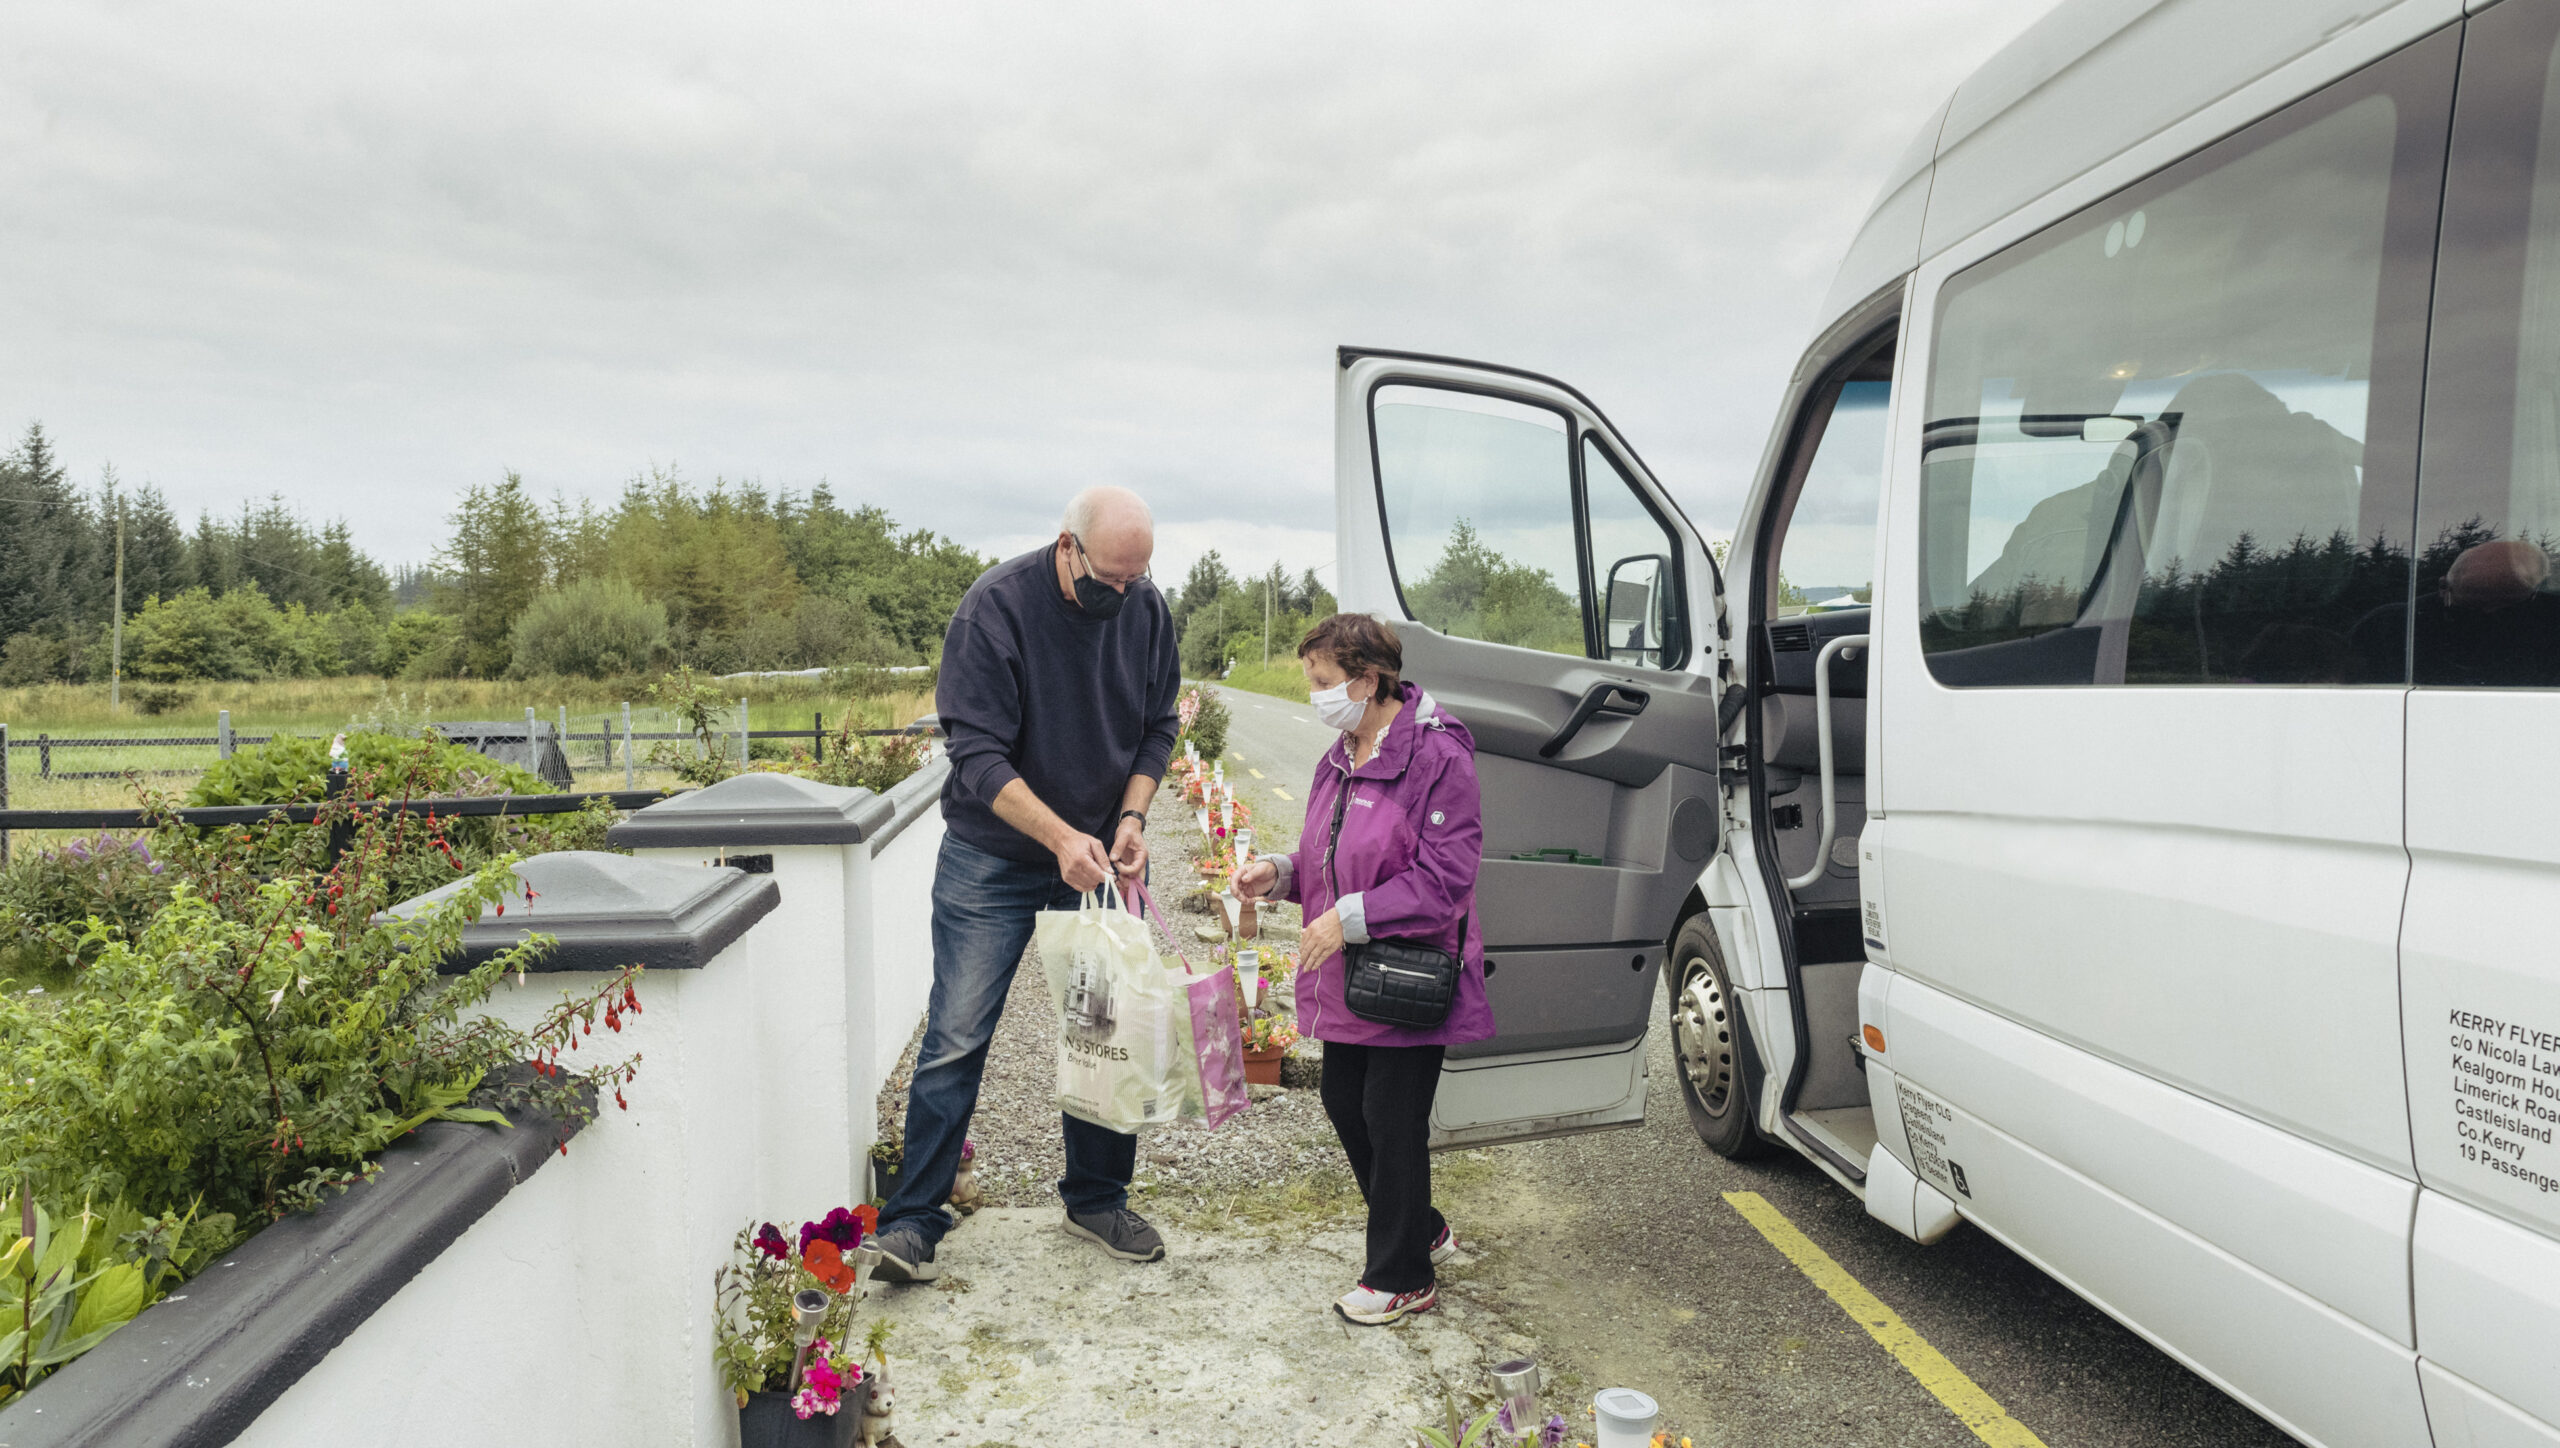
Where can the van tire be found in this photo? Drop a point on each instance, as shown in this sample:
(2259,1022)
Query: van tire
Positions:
(1710,1050)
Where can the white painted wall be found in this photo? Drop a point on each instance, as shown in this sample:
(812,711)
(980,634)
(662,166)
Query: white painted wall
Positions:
(578,1311)
(901,945)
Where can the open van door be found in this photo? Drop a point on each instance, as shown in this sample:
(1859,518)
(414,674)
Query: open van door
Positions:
(1552,597)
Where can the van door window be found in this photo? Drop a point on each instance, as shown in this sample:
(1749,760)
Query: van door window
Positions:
(2488,595)
(1635,572)
(1478,503)
(1493,536)
(2171,439)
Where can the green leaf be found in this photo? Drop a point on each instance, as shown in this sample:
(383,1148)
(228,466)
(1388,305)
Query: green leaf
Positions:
(479,1114)
(112,1299)
(61,1254)
(72,1347)
(1434,1437)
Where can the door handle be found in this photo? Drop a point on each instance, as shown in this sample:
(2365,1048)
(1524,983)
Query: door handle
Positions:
(1619,701)
(1822,742)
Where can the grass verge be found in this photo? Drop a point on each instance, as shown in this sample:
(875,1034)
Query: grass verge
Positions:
(1281,679)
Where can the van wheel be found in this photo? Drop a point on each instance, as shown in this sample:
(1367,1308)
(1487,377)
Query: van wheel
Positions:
(1706,1035)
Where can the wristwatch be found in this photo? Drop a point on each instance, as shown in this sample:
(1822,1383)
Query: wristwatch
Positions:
(1139,815)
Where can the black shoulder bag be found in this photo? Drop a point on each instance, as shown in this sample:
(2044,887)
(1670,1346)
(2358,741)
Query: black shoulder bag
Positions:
(1391,982)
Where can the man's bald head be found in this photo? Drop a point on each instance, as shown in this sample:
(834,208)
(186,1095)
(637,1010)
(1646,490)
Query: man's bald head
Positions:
(1115,530)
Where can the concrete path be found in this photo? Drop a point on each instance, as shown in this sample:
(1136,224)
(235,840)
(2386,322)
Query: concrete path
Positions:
(1034,1338)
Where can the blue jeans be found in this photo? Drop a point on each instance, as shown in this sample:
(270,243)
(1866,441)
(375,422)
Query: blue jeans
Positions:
(983,906)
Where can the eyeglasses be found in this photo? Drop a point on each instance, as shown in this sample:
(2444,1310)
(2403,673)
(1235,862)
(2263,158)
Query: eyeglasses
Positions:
(1120,585)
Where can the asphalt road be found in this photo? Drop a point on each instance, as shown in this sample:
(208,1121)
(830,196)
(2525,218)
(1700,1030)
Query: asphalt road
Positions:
(1620,1258)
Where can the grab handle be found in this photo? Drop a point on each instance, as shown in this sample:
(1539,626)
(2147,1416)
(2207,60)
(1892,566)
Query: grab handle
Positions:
(1619,701)
(1822,741)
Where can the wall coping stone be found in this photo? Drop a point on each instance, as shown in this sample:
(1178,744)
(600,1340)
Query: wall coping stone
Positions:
(608,911)
(198,1367)
(756,809)
(910,799)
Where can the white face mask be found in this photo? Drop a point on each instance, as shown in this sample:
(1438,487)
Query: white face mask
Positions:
(1336,709)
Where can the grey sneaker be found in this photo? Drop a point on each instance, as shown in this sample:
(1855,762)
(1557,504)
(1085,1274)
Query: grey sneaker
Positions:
(905,1256)
(1121,1232)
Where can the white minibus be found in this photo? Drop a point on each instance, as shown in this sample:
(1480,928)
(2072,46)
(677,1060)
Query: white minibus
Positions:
(2111,792)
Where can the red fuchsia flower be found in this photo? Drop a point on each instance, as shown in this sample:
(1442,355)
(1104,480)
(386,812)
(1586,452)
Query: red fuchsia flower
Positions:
(968,1149)
(768,1240)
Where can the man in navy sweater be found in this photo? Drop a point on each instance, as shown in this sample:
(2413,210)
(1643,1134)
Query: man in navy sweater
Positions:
(1059,675)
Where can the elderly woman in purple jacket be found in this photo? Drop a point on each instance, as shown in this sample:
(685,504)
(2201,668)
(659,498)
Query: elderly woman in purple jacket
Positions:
(1404,868)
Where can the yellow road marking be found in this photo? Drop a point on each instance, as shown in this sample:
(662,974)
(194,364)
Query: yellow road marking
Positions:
(1275,789)
(1972,1406)
(1256,773)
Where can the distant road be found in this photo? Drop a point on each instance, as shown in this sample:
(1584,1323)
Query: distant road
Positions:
(1281,738)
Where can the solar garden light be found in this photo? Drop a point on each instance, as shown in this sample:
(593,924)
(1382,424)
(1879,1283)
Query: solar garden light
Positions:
(1515,1383)
(1627,1417)
(865,1257)
(808,1308)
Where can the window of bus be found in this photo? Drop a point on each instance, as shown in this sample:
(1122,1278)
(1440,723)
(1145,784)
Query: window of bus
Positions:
(1479,514)
(2488,594)
(2171,439)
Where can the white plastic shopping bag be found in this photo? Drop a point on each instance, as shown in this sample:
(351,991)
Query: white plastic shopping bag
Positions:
(1124,1039)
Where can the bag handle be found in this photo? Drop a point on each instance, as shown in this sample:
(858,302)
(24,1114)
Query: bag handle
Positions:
(1143,905)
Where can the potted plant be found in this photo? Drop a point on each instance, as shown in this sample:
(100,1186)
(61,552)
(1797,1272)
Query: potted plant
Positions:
(1266,1040)
(782,1334)
(888,1155)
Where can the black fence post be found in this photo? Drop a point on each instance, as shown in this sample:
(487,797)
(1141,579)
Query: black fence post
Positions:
(818,736)
(44,755)
(342,831)
(4,792)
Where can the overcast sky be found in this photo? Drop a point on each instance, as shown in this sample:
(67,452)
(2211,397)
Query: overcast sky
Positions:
(957,260)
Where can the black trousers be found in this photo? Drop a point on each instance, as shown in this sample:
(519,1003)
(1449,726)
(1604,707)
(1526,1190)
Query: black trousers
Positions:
(1380,1100)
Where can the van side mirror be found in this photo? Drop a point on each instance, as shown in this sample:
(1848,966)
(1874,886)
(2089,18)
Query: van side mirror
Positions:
(1635,622)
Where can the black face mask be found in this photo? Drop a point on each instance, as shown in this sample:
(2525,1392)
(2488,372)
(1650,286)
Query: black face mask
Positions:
(1096,597)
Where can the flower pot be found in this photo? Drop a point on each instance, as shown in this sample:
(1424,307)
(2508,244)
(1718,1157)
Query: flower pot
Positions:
(768,1422)
(1262,1068)
(884,1178)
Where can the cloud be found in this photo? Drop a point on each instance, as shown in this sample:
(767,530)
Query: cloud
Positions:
(955,259)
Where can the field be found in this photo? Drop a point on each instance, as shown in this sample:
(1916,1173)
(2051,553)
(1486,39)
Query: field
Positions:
(324,706)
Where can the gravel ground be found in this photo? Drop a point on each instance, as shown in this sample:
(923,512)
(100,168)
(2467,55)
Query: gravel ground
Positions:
(1283,1138)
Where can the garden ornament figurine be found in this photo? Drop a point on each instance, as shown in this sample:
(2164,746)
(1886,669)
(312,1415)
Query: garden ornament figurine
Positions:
(875,1429)
(965,1193)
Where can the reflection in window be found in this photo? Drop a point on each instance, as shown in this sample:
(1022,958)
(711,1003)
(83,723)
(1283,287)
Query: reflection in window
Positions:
(2145,449)
(1632,572)
(2488,594)
(1479,514)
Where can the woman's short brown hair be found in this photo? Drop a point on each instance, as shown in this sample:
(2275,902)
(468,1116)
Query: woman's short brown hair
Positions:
(1356,643)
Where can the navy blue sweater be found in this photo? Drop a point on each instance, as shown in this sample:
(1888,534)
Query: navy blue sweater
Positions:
(1034,688)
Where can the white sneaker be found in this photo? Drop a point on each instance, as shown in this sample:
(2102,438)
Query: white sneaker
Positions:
(1444,1246)
(1369,1307)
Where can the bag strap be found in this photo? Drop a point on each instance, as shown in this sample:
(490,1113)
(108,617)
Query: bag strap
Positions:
(1333,836)
(1143,905)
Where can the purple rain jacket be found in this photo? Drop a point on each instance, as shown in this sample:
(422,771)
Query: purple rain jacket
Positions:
(1412,837)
